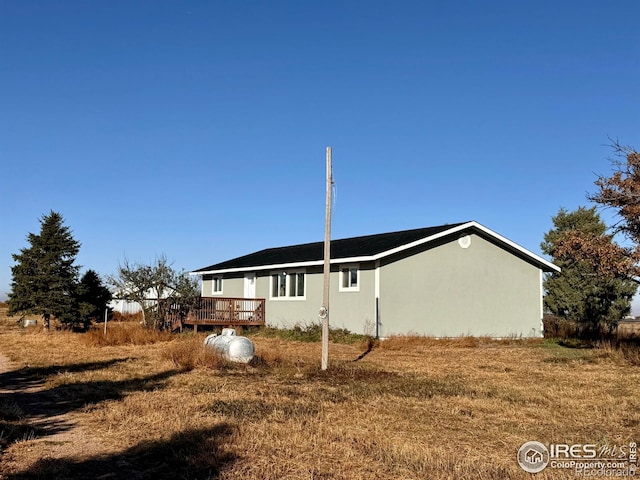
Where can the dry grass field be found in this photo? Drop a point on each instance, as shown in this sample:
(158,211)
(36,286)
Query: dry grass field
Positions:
(76,406)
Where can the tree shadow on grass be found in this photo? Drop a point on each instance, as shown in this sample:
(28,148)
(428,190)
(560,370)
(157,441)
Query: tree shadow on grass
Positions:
(27,377)
(73,396)
(28,412)
(194,454)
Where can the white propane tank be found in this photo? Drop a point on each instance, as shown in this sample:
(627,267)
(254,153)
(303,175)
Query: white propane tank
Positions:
(231,347)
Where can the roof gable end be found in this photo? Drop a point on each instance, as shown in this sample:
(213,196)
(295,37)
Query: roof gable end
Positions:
(362,248)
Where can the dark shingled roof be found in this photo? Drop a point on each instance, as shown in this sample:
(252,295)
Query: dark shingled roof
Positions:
(365,246)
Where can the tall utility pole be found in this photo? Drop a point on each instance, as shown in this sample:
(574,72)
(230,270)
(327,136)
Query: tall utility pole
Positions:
(324,310)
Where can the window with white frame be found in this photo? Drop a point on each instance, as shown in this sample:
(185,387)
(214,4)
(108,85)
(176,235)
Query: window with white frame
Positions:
(279,285)
(349,278)
(296,284)
(216,285)
(288,285)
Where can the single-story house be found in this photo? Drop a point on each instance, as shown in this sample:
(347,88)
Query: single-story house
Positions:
(445,281)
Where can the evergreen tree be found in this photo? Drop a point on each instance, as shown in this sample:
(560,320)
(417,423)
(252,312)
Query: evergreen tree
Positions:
(582,291)
(93,297)
(44,277)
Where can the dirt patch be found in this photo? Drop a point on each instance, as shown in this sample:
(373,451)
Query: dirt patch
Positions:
(5,365)
(43,425)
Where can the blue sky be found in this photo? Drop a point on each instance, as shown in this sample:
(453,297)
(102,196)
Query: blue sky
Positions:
(198,129)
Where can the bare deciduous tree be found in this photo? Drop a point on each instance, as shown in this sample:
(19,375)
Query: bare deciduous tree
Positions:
(153,287)
(621,192)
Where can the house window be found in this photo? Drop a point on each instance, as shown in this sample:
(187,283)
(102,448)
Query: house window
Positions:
(296,288)
(279,285)
(349,278)
(216,285)
(287,285)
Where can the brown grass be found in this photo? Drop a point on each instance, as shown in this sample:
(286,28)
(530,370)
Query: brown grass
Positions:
(124,334)
(408,408)
(190,353)
(404,342)
(621,352)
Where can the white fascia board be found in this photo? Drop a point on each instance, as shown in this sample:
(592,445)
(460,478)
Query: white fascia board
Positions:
(517,247)
(370,258)
(312,263)
(463,227)
(260,267)
(422,241)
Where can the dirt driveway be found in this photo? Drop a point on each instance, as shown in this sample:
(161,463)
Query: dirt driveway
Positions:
(45,424)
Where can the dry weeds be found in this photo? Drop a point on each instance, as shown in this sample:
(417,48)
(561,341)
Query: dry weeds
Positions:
(408,408)
(124,334)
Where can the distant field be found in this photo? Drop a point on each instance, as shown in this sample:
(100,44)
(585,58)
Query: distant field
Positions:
(411,408)
(626,329)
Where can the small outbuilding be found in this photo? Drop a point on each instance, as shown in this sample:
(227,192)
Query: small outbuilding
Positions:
(444,281)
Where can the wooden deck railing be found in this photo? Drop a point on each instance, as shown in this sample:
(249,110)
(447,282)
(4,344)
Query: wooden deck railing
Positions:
(221,311)
(218,311)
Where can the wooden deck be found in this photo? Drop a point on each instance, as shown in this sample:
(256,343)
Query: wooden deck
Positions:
(224,312)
